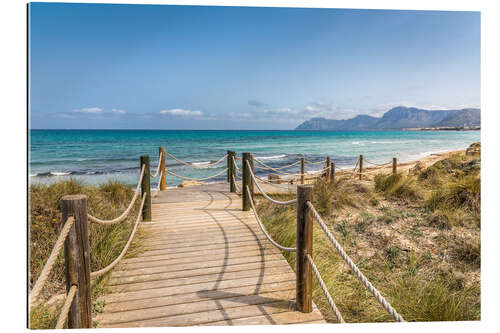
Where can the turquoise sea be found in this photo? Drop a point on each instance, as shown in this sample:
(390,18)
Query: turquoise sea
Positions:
(96,156)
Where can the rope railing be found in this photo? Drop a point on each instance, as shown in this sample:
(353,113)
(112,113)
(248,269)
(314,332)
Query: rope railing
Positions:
(49,264)
(235,165)
(277,202)
(125,248)
(377,164)
(278,170)
(196,179)
(315,163)
(194,165)
(353,266)
(264,231)
(124,215)
(322,284)
(65,308)
(238,189)
(158,167)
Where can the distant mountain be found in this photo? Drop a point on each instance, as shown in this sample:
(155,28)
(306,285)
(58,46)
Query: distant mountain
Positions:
(398,118)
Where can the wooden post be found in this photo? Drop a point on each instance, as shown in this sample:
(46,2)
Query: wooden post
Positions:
(146,188)
(327,174)
(360,166)
(163,176)
(247,179)
(394,165)
(302,169)
(232,171)
(304,247)
(332,172)
(77,261)
(228,159)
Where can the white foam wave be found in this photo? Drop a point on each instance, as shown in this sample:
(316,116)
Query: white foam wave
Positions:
(56,173)
(274,157)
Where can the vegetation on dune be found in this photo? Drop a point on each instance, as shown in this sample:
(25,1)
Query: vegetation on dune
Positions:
(416,237)
(106,241)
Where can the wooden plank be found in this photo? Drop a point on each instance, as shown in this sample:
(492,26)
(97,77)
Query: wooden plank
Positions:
(196,265)
(181,281)
(250,250)
(199,318)
(282,318)
(196,296)
(195,272)
(179,290)
(163,312)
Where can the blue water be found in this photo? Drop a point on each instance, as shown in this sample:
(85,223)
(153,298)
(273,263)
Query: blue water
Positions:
(96,156)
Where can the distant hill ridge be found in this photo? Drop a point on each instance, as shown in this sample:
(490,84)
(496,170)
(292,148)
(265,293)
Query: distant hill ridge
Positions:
(398,118)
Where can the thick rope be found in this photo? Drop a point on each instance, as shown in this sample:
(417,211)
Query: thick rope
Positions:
(194,165)
(320,162)
(47,268)
(353,266)
(125,248)
(384,164)
(238,189)
(126,212)
(267,167)
(158,168)
(282,167)
(277,202)
(273,184)
(287,249)
(235,165)
(197,179)
(275,170)
(65,309)
(335,310)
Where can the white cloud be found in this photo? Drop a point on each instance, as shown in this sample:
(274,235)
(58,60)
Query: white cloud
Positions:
(182,113)
(118,111)
(89,110)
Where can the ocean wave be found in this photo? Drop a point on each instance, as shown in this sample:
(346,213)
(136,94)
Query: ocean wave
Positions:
(272,157)
(60,173)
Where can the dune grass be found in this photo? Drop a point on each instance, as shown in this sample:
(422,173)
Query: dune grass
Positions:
(426,268)
(106,242)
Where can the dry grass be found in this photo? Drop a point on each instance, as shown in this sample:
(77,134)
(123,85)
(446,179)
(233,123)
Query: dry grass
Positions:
(106,242)
(415,237)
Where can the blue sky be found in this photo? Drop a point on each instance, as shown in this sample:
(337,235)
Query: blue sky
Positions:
(190,67)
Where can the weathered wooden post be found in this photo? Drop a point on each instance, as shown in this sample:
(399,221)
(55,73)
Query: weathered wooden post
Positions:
(77,261)
(247,180)
(228,166)
(231,170)
(394,165)
(332,172)
(302,169)
(146,188)
(360,166)
(163,175)
(327,173)
(304,247)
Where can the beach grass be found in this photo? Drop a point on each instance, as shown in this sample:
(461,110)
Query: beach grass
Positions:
(415,235)
(105,201)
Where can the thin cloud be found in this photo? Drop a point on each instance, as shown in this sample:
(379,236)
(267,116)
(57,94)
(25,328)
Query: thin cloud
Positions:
(256,103)
(89,110)
(182,113)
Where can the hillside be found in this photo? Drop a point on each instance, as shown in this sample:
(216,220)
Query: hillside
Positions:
(398,118)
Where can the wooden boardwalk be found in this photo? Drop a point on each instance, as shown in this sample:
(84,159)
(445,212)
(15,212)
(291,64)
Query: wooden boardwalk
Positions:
(206,263)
